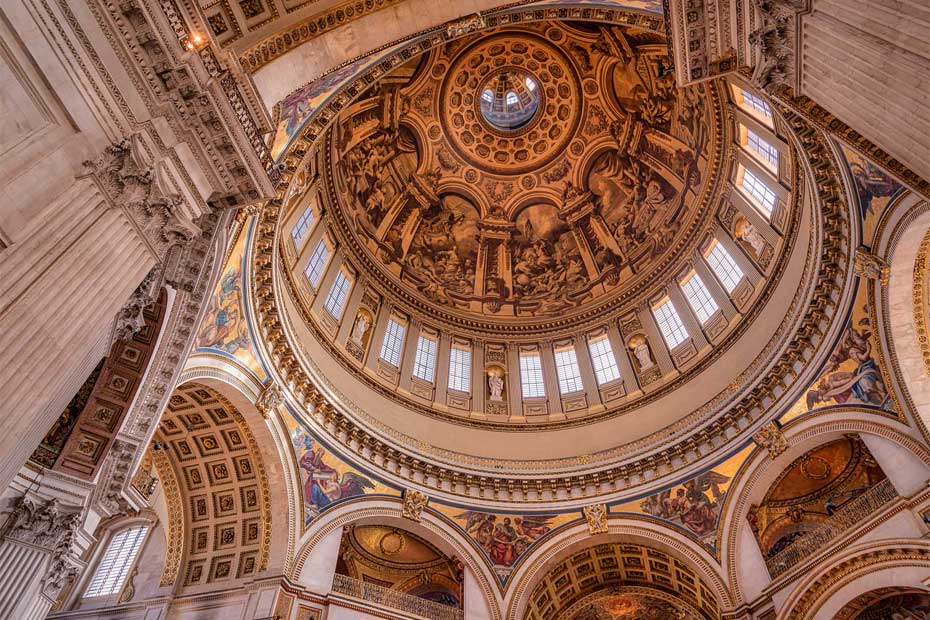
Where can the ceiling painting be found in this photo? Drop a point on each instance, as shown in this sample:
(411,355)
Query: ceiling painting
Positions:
(694,506)
(569,203)
(854,374)
(225,326)
(327,479)
(293,112)
(504,538)
(875,189)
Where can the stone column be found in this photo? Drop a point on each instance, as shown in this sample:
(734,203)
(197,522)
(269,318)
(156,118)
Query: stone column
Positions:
(62,288)
(36,559)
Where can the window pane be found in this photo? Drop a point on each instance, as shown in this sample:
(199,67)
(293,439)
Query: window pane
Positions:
(303,225)
(336,300)
(673,330)
(763,149)
(757,105)
(699,298)
(460,369)
(724,267)
(531,377)
(393,342)
(114,567)
(424,364)
(759,192)
(566,366)
(605,364)
(317,263)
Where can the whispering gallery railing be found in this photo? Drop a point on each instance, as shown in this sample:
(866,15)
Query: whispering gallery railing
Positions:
(373,593)
(853,512)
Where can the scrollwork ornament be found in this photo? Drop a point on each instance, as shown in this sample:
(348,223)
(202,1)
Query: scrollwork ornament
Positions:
(771,438)
(269,400)
(870,267)
(414,503)
(596,517)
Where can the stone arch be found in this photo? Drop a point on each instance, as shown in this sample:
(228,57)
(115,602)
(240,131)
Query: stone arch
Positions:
(640,532)
(741,558)
(326,530)
(226,492)
(889,563)
(270,434)
(903,302)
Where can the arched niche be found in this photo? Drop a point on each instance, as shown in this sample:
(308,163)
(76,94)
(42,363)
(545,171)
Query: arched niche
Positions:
(698,579)
(910,603)
(903,459)
(317,554)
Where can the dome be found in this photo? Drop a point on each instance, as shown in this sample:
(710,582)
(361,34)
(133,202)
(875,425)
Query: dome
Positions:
(531,232)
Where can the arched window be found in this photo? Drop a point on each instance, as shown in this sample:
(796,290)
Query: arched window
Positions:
(116,562)
(512,99)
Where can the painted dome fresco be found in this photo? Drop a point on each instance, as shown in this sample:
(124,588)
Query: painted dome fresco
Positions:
(526,178)
(530,228)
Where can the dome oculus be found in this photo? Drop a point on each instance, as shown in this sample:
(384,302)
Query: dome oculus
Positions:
(509,100)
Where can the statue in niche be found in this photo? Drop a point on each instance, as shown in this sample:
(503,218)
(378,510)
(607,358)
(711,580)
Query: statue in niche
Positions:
(748,233)
(362,324)
(640,348)
(496,386)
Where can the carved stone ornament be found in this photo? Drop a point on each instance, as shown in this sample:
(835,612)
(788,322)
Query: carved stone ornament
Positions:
(871,267)
(414,503)
(129,590)
(774,43)
(130,319)
(269,400)
(596,516)
(133,186)
(771,438)
(466,25)
(51,527)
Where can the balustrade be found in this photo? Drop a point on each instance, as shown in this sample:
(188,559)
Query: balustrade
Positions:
(854,512)
(373,593)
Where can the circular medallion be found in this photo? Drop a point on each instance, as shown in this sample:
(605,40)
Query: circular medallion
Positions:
(510,104)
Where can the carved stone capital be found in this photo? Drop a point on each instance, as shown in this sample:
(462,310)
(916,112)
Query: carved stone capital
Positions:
(130,319)
(771,438)
(414,503)
(596,517)
(130,181)
(774,43)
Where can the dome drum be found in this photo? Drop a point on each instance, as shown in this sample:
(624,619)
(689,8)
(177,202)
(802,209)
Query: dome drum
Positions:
(563,300)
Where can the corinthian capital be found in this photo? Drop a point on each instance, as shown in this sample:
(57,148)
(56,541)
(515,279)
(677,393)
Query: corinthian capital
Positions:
(133,182)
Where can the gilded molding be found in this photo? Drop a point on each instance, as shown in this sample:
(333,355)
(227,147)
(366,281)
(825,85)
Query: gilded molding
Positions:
(174,529)
(921,299)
